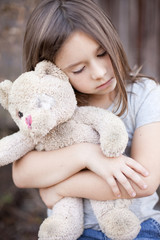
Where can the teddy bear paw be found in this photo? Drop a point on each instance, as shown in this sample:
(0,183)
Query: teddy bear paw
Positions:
(120,224)
(58,228)
(113,151)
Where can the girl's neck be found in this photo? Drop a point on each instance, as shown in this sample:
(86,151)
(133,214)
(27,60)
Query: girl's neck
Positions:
(102,101)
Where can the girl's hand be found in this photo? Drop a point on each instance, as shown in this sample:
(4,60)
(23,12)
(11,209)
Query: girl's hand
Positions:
(119,169)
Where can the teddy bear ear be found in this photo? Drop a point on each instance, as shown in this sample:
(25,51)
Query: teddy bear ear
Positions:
(48,68)
(5,88)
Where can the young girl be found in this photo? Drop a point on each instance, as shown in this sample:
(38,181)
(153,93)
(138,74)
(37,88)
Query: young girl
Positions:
(78,37)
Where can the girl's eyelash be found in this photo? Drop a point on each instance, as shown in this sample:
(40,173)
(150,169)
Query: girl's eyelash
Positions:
(99,55)
(102,54)
(79,71)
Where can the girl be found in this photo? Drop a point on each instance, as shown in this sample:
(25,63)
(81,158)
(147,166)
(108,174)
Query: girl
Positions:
(78,37)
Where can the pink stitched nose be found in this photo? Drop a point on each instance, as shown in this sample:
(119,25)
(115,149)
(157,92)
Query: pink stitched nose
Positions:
(29,121)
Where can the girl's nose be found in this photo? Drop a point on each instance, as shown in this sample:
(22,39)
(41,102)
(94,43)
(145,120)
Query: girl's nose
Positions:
(98,71)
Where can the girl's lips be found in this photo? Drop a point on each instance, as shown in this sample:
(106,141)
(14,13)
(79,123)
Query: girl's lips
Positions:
(105,84)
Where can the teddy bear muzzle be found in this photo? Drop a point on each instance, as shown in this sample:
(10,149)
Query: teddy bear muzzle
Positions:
(37,124)
(28,121)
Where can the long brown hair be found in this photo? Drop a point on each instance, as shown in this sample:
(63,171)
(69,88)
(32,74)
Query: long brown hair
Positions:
(53,21)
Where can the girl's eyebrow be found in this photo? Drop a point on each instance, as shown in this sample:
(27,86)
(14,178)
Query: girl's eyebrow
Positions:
(73,65)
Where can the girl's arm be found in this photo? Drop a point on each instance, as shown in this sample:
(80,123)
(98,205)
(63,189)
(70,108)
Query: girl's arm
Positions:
(43,169)
(84,184)
(145,149)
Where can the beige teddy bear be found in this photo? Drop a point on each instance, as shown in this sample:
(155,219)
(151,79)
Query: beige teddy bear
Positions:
(43,105)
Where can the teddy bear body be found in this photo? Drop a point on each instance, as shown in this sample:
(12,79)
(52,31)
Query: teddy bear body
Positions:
(67,134)
(43,104)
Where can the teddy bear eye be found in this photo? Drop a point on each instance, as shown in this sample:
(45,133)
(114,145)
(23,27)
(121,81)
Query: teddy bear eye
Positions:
(20,114)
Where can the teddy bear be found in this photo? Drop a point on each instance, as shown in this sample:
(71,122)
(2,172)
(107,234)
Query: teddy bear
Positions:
(43,104)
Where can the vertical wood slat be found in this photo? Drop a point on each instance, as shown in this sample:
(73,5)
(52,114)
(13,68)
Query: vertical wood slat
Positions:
(150,37)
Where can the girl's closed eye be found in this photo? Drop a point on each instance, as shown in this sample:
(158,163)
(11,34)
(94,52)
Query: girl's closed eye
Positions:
(104,53)
(79,71)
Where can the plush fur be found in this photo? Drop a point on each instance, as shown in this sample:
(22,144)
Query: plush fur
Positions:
(43,105)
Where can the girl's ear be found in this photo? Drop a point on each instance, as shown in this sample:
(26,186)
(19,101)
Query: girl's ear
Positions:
(5,88)
(48,68)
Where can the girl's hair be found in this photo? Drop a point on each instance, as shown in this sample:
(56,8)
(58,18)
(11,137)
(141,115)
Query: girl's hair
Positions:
(53,21)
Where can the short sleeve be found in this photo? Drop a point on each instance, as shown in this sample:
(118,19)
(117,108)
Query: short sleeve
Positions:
(147,104)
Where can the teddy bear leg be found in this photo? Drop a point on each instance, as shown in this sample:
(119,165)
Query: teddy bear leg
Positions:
(66,221)
(116,220)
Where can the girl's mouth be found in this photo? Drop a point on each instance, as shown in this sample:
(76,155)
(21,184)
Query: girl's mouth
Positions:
(105,84)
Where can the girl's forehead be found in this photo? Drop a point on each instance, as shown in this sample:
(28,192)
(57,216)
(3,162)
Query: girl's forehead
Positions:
(78,39)
(76,46)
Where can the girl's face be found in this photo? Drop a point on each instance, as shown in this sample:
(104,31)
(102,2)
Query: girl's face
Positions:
(88,67)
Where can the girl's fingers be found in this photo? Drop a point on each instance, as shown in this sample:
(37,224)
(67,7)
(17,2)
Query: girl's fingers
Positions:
(122,171)
(131,174)
(137,167)
(113,184)
(122,179)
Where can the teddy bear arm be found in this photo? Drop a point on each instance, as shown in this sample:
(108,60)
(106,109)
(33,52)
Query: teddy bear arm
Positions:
(14,147)
(112,132)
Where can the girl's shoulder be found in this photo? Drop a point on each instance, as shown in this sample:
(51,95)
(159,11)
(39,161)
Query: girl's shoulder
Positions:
(138,92)
(143,101)
(142,87)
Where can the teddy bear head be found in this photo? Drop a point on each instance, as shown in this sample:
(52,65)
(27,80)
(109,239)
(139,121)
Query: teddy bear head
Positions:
(39,100)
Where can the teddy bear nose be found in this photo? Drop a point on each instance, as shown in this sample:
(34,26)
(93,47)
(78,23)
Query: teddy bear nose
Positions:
(28,120)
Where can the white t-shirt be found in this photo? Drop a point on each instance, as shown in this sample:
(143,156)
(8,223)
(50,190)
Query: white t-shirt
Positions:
(143,108)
